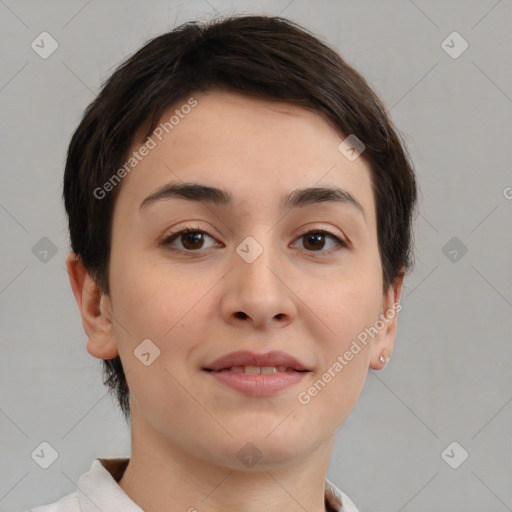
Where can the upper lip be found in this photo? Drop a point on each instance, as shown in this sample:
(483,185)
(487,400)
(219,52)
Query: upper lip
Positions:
(247,358)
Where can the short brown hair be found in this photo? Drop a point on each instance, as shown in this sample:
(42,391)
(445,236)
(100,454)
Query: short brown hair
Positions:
(262,56)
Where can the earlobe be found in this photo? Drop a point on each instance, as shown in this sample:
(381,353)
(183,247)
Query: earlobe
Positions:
(95,309)
(384,341)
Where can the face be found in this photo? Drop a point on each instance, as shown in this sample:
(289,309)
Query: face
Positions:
(255,274)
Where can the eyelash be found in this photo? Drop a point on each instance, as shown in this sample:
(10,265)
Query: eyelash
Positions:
(173,236)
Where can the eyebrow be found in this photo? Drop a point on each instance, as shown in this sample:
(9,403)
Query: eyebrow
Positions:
(216,196)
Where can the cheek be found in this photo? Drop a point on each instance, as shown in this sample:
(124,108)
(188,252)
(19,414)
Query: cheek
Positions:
(344,355)
(151,298)
(331,396)
(172,317)
(347,309)
(172,309)
(344,305)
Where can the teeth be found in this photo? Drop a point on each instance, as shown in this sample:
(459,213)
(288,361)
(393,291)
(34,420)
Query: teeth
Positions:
(257,370)
(252,370)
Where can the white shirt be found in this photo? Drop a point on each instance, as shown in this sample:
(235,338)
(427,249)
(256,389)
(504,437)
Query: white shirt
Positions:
(98,490)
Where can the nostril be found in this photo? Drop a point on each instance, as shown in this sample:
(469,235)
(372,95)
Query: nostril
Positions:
(241,314)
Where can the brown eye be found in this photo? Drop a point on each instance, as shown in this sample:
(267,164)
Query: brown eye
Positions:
(191,239)
(315,241)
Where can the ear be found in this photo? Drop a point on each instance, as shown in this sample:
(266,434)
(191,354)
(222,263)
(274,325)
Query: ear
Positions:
(95,308)
(384,340)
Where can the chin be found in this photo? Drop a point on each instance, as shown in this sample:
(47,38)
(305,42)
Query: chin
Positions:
(260,454)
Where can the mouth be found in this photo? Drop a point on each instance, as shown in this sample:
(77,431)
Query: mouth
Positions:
(253,363)
(257,370)
(256,374)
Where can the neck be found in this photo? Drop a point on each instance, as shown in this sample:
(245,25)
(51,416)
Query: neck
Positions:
(161,476)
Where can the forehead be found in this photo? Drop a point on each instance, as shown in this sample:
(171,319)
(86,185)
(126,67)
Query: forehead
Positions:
(257,149)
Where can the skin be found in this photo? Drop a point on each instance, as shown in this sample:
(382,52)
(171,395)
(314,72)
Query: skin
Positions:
(308,300)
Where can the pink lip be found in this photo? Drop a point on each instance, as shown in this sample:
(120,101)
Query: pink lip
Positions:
(258,385)
(262,384)
(247,358)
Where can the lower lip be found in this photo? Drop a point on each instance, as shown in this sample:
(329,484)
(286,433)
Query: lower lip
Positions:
(258,385)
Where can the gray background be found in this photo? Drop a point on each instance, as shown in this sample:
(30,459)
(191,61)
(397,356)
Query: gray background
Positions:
(449,378)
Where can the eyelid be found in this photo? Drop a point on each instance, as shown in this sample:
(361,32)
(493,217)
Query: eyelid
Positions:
(325,228)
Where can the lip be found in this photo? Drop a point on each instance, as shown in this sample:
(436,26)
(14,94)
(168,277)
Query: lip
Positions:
(258,385)
(248,358)
(262,384)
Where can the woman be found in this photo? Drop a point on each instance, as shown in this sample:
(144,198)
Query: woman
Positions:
(240,211)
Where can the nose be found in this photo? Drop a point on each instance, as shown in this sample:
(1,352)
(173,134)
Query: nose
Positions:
(258,294)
